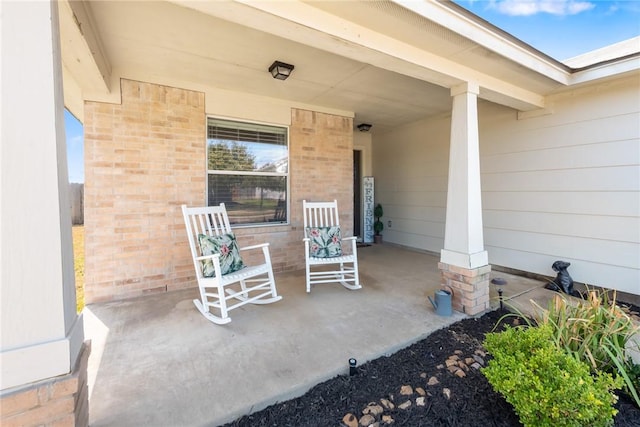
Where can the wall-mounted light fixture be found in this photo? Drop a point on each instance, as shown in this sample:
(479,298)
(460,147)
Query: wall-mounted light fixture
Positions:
(280,70)
(364,127)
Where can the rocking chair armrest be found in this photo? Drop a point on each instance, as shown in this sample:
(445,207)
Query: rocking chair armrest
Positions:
(215,259)
(258,246)
(211,257)
(265,250)
(350,241)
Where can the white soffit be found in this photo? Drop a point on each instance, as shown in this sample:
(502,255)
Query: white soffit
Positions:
(82,52)
(474,28)
(433,36)
(182,47)
(310,25)
(385,63)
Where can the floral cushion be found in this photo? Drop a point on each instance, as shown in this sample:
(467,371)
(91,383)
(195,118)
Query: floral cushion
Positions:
(227,247)
(325,241)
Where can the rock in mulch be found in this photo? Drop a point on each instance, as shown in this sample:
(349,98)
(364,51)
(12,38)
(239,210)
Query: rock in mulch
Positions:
(350,420)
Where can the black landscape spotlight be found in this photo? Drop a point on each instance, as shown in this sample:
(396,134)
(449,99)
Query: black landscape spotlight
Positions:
(499,282)
(352,366)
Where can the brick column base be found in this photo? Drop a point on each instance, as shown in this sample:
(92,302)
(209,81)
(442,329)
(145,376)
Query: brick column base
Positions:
(60,401)
(470,287)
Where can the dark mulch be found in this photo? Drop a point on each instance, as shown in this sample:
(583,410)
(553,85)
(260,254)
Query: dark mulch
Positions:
(472,403)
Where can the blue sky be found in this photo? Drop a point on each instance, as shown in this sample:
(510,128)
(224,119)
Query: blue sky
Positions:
(75,147)
(560,28)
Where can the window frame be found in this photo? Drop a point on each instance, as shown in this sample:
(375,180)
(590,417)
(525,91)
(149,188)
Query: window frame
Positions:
(287,175)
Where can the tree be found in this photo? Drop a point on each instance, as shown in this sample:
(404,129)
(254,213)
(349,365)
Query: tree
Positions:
(229,156)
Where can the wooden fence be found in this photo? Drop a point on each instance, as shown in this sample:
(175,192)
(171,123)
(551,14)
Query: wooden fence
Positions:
(76,193)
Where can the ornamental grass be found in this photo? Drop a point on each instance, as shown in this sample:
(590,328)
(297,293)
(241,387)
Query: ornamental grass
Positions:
(597,331)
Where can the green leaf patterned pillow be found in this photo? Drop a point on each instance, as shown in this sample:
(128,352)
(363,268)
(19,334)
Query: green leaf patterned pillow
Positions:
(227,247)
(325,241)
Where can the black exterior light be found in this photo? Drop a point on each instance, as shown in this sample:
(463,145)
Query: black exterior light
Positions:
(364,127)
(499,282)
(280,70)
(352,366)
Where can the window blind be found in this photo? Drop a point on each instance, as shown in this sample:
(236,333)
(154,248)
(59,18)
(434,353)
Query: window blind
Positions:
(227,130)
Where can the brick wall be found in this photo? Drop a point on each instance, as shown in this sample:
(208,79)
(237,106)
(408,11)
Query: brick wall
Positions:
(320,169)
(146,157)
(143,159)
(56,402)
(470,287)
(321,155)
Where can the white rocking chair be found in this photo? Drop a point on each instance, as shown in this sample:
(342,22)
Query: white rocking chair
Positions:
(323,247)
(221,274)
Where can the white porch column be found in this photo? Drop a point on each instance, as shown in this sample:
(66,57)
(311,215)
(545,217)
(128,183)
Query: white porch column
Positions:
(464,262)
(41,335)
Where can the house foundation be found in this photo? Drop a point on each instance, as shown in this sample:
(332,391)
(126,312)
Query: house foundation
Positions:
(55,402)
(470,287)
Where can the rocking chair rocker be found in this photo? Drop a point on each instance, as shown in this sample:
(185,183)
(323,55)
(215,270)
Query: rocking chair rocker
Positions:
(323,247)
(221,273)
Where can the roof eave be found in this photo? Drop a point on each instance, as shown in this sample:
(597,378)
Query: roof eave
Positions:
(471,26)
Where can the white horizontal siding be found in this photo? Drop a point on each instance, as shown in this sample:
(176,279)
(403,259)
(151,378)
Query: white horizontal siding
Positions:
(425,228)
(566,186)
(432,213)
(601,154)
(517,136)
(580,203)
(425,199)
(609,178)
(596,227)
(422,183)
(615,253)
(411,169)
(413,240)
(589,272)
(560,186)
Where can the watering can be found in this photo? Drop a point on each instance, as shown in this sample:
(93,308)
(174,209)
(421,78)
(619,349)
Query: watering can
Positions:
(442,302)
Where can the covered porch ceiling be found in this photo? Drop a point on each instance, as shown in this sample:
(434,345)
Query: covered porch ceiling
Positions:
(384,62)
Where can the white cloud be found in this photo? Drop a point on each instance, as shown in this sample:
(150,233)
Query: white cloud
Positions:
(532,7)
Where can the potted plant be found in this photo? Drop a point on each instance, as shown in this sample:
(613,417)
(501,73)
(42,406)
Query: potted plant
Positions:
(378,226)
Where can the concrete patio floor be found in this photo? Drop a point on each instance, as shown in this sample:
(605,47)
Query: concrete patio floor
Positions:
(156,361)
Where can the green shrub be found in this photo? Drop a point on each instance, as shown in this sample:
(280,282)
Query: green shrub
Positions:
(378,226)
(545,385)
(597,331)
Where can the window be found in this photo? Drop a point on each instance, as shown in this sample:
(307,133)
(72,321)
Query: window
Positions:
(248,171)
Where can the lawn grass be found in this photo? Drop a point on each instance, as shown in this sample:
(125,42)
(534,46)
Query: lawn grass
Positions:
(78,263)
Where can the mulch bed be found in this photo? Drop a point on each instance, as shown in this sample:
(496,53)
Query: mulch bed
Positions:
(471,402)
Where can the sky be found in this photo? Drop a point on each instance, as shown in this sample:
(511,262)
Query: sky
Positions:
(75,147)
(561,29)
